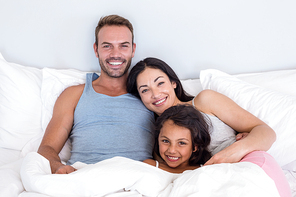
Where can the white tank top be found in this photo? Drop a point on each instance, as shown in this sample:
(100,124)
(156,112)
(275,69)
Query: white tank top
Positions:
(221,134)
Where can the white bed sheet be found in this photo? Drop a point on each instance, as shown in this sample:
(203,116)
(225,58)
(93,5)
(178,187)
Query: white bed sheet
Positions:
(8,156)
(110,177)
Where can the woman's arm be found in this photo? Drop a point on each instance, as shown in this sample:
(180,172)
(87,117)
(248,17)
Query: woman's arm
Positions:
(260,136)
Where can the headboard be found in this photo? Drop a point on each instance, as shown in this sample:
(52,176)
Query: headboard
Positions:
(190,35)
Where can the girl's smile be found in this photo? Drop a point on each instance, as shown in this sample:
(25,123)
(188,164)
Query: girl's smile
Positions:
(175,145)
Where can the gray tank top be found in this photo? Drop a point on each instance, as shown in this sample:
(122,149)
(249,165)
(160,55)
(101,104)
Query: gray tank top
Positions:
(221,134)
(106,126)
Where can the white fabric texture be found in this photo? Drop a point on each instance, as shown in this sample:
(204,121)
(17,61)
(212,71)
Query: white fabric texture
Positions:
(20,104)
(118,173)
(275,109)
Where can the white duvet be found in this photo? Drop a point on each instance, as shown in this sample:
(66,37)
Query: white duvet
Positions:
(125,177)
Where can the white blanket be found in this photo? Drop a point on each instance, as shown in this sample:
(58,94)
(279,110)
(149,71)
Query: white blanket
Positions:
(125,177)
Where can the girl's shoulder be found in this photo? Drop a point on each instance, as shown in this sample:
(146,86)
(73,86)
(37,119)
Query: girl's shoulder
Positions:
(150,162)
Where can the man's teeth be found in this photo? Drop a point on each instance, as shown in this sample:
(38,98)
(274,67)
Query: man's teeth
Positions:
(115,63)
(160,101)
(173,158)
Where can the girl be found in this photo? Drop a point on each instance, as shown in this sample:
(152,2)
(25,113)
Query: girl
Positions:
(159,88)
(182,139)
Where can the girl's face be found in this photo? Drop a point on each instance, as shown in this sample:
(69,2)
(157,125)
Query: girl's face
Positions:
(156,90)
(175,144)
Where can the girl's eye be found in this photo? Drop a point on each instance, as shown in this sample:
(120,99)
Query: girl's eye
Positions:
(182,143)
(165,141)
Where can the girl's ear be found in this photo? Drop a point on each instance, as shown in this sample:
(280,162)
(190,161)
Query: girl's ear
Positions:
(195,148)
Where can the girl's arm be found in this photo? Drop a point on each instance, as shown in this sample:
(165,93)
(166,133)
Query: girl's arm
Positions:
(260,136)
(162,165)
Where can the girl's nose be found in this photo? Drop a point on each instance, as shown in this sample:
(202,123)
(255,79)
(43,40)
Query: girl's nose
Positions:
(172,149)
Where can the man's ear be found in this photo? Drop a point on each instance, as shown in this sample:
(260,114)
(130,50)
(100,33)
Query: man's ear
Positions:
(96,50)
(134,49)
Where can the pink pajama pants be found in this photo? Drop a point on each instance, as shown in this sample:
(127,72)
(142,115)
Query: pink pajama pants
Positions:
(272,169)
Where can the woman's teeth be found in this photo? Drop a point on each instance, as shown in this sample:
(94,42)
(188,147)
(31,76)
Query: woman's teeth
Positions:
(160,101)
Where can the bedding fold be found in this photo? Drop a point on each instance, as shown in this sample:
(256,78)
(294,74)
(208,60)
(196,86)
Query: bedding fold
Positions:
(122,176)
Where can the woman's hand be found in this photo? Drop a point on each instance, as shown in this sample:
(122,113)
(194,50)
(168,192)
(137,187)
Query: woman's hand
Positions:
(241,136)
(232,154)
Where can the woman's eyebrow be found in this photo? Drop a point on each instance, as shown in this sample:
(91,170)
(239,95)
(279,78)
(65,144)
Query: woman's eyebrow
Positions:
(142,86)
(158,78)
(154,82)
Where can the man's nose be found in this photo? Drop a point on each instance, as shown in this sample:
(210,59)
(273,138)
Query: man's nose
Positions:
(115,52)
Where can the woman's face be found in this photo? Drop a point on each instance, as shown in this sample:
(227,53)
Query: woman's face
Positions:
(156,90)
(175,144)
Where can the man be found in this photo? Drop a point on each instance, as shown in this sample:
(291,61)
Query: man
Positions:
(99,117)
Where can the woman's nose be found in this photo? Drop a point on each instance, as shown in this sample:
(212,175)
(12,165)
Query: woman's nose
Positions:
(155,93)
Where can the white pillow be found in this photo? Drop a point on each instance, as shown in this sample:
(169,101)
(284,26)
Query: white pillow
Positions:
(275,109)
(192,86)
(20,104)
(282,81)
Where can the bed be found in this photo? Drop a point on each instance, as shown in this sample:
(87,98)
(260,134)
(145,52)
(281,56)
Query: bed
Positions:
(27,96)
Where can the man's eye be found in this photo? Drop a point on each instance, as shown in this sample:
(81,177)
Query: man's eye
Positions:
(106,46)
(160,83)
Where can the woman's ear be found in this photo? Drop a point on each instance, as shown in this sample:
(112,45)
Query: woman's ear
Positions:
(174,84)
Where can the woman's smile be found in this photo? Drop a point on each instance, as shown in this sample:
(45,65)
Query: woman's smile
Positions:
(160,102)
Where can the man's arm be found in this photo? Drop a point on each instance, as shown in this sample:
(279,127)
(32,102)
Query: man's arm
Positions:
(59,128)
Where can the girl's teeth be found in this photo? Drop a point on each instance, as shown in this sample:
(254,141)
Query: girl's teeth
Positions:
(173,158)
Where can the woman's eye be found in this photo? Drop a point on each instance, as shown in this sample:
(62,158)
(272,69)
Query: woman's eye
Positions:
(165,141)
(160,83)
(182,143)
(143,91)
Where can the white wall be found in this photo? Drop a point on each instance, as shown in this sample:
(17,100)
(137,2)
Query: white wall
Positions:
(235,36)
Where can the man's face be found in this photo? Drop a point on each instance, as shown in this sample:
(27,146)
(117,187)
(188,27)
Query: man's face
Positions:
(115,50)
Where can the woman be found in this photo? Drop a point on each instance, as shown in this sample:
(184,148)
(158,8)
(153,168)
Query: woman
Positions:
(159,88)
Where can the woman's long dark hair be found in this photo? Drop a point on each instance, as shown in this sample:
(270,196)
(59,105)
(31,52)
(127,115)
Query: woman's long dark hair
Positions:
(157,64)
(189,117)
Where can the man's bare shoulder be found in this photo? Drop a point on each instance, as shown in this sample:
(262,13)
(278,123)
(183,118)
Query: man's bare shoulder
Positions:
(72,93)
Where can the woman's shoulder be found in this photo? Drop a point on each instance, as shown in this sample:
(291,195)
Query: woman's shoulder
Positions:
(204,100)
